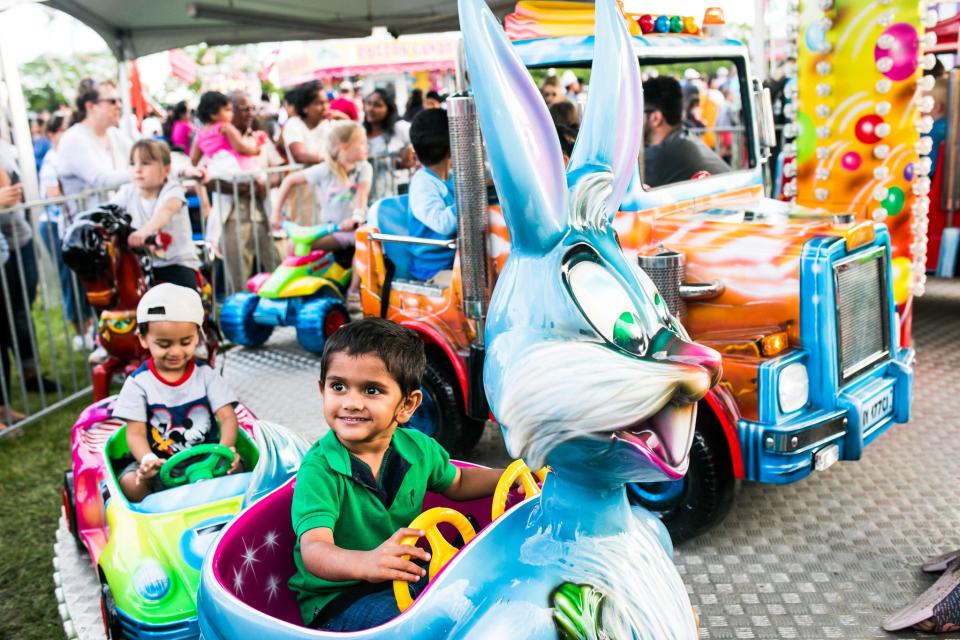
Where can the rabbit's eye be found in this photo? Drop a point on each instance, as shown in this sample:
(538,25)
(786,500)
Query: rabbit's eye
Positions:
(607,306)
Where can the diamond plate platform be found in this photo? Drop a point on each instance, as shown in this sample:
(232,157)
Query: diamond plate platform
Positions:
(828,557)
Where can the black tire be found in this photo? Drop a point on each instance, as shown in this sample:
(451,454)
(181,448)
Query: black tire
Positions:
(706,494)
(112,629)
(70,508)
(442,414)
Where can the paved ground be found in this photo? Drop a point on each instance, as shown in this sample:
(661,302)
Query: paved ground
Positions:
(828,557)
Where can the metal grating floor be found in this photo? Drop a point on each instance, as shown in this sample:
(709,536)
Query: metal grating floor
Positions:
(828,557)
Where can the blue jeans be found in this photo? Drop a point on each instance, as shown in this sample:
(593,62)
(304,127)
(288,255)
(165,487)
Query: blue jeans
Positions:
(75,305)
(371,610)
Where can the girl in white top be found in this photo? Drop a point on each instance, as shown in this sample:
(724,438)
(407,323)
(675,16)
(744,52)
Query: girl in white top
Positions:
(157,204)
(342,184)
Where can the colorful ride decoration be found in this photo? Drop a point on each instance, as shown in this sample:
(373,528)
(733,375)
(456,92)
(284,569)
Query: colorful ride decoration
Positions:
(806,380)
(861,112)
(305,291)
(148,555)
(114,277)
(546,19)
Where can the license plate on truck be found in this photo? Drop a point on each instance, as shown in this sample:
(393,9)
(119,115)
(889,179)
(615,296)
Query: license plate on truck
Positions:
(824,458)
(877,409)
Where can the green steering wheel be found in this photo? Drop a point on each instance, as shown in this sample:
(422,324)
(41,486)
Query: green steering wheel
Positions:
(184,467)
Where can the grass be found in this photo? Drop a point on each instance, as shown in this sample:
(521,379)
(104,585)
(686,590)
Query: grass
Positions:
(31,476)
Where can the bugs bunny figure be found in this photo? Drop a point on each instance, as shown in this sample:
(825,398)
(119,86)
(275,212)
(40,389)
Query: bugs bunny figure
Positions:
(586,369)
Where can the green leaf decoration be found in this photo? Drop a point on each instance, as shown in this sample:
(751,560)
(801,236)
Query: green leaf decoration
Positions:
(577,611)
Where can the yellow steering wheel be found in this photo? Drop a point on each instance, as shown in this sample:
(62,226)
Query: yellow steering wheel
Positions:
(518,470)
(441,551)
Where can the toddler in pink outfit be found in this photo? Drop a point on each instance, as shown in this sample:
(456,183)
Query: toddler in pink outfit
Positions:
(218,142)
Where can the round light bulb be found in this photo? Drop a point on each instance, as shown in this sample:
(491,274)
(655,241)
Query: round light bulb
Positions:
(879,215)
(823,132)
(884,64)
(826,5)
(881,173)
(924,145)
(824,68)
(928,61)
(926,83)
(880,151)
(824,89)
(886,41)
(822,153)
(883,85)
(821,194)
(880,193)
(929,40)
(822,111)
(930,19)
(822,174)
(882,130)
(882,108)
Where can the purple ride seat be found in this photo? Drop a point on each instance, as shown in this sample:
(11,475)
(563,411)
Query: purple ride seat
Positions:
(254,558)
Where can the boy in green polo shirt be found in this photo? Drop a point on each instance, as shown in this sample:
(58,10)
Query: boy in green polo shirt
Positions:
(364,481)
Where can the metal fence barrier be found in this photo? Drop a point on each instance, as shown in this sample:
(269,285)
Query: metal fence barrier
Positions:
(46,327)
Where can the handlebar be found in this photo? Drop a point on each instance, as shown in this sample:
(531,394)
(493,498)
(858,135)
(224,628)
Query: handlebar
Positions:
(304,237)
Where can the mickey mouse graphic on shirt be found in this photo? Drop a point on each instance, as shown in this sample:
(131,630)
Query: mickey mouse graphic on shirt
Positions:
(175,429)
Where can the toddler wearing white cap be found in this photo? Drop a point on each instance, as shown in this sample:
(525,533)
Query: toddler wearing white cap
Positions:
(171,402)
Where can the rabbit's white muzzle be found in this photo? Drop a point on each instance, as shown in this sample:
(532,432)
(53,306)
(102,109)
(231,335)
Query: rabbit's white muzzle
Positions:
(559,391)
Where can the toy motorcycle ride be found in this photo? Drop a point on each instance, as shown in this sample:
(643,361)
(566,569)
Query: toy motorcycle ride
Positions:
(305,291)
(114,276)
(148,554)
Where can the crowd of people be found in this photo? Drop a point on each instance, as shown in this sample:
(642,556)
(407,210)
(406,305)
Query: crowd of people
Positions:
(678,143)
(352,151)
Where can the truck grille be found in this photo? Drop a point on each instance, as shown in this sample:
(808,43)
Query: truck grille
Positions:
(863,334)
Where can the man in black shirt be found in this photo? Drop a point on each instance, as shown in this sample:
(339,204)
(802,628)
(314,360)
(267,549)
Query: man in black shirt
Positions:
(671,154)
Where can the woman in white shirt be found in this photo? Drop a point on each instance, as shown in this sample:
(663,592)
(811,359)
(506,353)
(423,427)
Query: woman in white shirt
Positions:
(93,153)
(388,139)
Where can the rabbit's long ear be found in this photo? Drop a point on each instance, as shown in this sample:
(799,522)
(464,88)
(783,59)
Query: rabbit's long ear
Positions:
(612,129)
(519,134)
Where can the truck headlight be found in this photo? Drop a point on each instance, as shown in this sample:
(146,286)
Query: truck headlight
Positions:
(793,387)
(150,580)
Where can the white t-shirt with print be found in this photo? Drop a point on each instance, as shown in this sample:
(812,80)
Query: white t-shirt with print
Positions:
(181,250)
(178,414)
(337,200)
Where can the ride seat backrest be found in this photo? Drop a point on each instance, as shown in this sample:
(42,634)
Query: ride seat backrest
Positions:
(265,533)
(392,216)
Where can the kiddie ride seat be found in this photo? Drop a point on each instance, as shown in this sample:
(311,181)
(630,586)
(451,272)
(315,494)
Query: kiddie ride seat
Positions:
(115,276)
(306,291)
(244,592)
(148,554)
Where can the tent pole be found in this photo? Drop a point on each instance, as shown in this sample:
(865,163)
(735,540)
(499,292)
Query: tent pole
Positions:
(22,139)
(758,44)
(127,121)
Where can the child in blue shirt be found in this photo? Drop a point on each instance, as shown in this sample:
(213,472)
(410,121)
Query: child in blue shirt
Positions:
(432,204)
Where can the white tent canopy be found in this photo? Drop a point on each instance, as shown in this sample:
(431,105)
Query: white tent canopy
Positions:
(134,28)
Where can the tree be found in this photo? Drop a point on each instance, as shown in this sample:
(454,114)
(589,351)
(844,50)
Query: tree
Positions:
(49,81)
